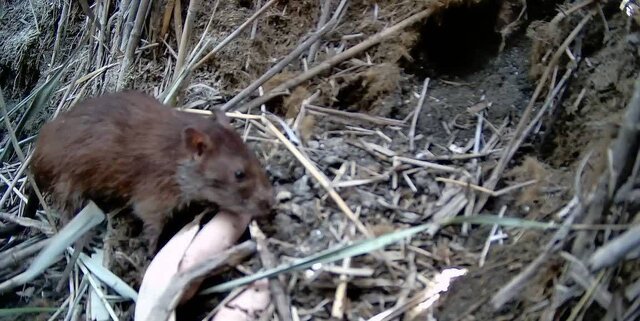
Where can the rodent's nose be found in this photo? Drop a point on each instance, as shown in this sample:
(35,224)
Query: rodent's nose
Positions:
(266,204)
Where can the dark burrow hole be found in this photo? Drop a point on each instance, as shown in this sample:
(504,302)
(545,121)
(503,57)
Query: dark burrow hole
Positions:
(458,41)
(349,97)
(542,9)
(245,3)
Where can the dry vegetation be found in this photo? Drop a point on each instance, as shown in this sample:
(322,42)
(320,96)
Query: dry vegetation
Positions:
(504,132)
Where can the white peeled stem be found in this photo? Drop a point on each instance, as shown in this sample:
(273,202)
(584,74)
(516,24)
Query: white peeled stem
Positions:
(89,217)
(250,303)
(616,249)
(161,270)
(186,250)
(217,235)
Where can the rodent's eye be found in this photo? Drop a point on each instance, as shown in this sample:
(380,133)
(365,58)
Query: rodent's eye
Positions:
(239,175)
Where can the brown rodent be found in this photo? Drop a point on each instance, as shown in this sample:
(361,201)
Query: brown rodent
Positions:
(128,146)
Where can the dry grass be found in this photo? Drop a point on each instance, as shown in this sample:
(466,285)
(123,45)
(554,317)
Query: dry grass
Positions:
(343,175)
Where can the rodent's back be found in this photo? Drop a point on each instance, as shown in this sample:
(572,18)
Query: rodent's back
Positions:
(107,141)
(131,147)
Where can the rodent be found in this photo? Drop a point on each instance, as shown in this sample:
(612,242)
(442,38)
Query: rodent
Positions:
(128,146)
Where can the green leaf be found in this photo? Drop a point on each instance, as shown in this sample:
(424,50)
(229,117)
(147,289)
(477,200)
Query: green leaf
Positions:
(370,245)
(327,256)
(502,221)
(25,310)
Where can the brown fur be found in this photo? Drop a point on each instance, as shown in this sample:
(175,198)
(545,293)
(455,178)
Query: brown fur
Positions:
(128,146)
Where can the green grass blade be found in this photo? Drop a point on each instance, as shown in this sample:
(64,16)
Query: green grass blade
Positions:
(25,310)
(502,221)
(370,245)
(330,255)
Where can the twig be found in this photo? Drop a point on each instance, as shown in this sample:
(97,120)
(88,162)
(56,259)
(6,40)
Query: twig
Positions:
(254,28)
(339,302)
(586,297)
(329,63)
(360,116)
(615,250)
(88,217)
(19,253)
(27,222)
(487,244)
(284,62)
(579,272)
(430,165)
(96,287)
(324,14)
(281,299)
(416,113)
(484,190)
(458,156)
(35,17)
(103,13)
(14,182)
(129,8)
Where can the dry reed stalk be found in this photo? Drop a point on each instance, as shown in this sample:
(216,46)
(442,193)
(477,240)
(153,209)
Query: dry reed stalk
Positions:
(340,297)
(62,24)
(281,299)
(120,18)
(177,19)
(21,251)
(320,177)
(130,8)
(132,44)
(192,11)
(416,114)
(166,18)
(360,116)
(103,13)
(324,15)
(23,159)
(484,190)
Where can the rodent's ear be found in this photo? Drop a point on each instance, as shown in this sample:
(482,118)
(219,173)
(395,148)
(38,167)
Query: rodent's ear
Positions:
(196,141)
(221,118)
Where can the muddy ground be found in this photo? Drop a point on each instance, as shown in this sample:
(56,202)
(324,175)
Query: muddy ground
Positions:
(458,50)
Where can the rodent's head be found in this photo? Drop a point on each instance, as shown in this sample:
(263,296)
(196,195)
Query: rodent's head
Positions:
(221,169)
